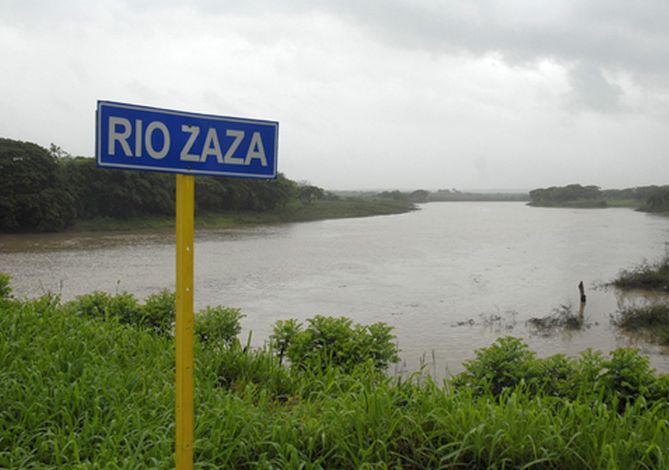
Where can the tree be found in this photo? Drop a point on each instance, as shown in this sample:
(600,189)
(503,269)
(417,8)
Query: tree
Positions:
(32,193)
(309,194)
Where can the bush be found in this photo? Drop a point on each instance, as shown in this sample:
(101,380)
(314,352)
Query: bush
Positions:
(331,341)
(504,364)
(283,333)
(123,307)
(218,325)
(157,313)
(507,365)
(160,311)
(628,375)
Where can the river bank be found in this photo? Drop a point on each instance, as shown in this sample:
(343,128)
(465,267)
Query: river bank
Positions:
(424,272)
(299,212)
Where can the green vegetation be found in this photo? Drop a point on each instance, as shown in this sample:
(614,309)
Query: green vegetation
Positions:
(218,326)
(90,385)
(458,196)
(648,276)
(296,212)
(573,195)
(658,201)
(32,190)
(45,191)
(450,195)
(334,342)
(560,319)
(645,198)
(651,320)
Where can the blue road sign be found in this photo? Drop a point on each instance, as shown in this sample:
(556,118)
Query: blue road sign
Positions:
(144,138)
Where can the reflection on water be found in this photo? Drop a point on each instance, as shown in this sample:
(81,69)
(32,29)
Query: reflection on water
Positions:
(436,274)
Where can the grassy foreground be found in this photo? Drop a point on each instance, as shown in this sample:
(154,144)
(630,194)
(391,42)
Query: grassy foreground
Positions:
(82,392)
(297,212)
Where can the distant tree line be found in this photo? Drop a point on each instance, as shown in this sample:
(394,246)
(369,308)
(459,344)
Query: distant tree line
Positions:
(657,201)
(455,195)
(648,198)
(47,190)
(422,195)
(571,195)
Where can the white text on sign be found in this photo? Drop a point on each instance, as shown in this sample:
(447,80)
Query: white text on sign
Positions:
(133,141)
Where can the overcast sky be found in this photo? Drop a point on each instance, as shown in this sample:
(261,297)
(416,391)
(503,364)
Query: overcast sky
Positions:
(467,94)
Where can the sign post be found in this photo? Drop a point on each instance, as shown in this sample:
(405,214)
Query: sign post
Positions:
(142,138)
(185,214)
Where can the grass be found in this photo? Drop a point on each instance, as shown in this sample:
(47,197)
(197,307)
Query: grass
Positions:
(561,318)
(317,210)
(652,320)
(90,392)
(631,203)
(646,276)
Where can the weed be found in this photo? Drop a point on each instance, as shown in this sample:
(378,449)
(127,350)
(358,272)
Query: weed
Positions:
(561,318)
(649,276)
(652,319)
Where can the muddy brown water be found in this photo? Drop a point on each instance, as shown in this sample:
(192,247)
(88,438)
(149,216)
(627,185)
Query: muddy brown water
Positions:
(449,278)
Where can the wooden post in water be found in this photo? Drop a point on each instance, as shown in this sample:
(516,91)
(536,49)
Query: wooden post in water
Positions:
(581,290)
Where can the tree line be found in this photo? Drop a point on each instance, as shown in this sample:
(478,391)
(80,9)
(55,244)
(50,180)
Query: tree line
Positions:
(48,190)
(647,198)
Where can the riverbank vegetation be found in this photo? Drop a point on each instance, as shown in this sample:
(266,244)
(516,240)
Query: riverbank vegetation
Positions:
(90,383)
(645,198)
(47,190)
(453,195)
(647,276)
(652,318)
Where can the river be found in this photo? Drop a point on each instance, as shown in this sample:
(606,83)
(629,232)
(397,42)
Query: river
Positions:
(450,277)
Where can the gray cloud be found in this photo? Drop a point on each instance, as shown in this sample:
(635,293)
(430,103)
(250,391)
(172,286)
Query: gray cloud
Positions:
(465,93)
(591,90)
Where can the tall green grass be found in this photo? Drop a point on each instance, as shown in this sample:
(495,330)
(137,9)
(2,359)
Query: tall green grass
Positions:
(90,391)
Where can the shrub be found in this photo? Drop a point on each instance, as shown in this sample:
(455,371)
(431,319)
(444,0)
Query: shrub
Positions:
(159,311)
(123,307)
(620,380)
(628,375)
(556,375)
(218,325)
(282,336)
(338,342)
(505,364)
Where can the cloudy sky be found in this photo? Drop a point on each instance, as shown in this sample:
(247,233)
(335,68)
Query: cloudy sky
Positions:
(468,94)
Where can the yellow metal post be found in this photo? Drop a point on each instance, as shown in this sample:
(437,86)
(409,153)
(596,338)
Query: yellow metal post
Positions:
(184,323)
